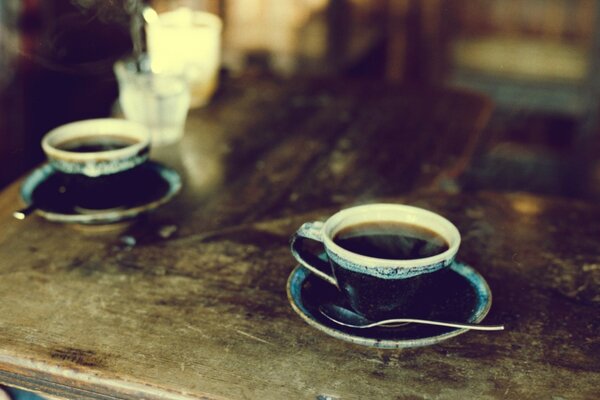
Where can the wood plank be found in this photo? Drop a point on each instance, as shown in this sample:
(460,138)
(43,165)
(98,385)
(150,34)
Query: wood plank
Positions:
(207,315)
(190,302)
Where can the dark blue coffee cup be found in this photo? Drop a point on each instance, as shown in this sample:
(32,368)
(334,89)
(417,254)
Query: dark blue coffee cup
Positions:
(98,159)
(376,287)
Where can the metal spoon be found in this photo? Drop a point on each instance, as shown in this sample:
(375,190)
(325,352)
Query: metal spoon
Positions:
(351,319)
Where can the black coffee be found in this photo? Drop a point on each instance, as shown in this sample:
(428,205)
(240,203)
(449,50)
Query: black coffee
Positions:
(391,240)
(93,144)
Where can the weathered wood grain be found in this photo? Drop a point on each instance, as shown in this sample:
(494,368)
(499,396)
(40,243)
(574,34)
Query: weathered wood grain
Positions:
(207,315)
(190,302)
(278,148)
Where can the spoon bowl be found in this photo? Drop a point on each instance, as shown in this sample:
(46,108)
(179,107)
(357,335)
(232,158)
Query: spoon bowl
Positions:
(345,317)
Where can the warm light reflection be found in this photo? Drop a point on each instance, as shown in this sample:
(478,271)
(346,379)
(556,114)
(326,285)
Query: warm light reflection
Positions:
(150,15)
(527,205)
(285,30)
(534,59)
(202,157)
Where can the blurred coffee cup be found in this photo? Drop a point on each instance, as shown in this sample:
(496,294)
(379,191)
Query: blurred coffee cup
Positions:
(97,158)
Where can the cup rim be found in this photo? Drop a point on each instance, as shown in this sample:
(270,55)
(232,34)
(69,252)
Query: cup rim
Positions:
(194,19)
(98,126)
(451,234)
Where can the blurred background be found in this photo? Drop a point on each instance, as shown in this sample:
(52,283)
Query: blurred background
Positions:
(537,59)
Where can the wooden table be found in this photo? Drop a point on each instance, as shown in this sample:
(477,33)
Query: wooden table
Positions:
(190,301)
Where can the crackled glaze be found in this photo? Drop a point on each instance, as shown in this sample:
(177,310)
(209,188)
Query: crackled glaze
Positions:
(101,163)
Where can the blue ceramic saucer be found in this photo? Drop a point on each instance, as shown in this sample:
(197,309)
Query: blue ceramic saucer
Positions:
(58,199)
(458,293)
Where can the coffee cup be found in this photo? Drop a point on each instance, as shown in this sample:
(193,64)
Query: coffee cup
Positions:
(378,255)
(97,158)
(97,147)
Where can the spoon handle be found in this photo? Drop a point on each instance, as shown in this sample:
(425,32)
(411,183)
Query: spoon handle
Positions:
(24,212)
(392,322)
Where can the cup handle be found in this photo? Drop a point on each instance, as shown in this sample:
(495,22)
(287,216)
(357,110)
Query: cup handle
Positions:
(313,231)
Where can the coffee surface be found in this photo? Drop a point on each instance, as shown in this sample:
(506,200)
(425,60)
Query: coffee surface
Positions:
(391,240)
(93,144)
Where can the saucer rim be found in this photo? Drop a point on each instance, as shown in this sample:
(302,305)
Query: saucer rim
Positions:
(40,174)
(464,270)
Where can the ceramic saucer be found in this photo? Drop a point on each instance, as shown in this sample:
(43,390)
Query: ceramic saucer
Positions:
(56,199)
(458,293)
